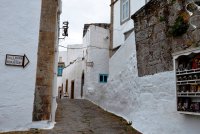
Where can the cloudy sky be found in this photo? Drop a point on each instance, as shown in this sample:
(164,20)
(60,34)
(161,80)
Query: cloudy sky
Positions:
(80,12)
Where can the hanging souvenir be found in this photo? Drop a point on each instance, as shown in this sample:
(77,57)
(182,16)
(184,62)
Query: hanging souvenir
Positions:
(196,62)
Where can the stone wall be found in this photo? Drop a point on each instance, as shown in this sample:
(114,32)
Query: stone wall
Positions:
(154,43)
(45,64)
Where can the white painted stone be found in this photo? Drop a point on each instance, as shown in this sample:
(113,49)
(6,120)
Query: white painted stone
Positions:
(149,101)
(95,49)
(19,35)
(20,21)
(73,71)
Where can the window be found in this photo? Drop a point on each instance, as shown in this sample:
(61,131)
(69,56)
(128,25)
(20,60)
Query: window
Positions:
(103,78)
(60,70)
(125,10)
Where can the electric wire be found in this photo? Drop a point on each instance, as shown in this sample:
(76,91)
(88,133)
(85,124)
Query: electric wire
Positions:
(85,47)
(76,60)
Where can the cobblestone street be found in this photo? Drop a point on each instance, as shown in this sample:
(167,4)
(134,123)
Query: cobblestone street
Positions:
(83,117)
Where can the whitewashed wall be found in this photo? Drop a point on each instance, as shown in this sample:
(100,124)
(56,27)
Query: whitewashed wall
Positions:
(19,35)
(118,29)
(95,49)
(73,52)
(98,53)
(74,71)
(149,102)
(121,56)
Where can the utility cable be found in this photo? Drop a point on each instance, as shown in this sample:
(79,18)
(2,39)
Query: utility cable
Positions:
(86,47)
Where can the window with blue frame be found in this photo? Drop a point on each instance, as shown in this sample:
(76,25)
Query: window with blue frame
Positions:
(60,70)
(103,78)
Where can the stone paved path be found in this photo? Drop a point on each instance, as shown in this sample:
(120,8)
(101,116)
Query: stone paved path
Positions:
(83,117)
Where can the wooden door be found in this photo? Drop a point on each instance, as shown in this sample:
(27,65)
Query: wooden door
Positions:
(66,87)
(72,89)
(82,84)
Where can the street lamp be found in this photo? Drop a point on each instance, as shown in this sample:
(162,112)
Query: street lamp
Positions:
(65,29)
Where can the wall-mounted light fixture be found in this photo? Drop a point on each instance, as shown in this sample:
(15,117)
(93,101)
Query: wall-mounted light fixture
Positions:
(65,29)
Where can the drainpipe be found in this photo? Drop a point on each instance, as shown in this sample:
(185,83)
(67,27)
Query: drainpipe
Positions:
(54,93)
(54,90)
(111,26)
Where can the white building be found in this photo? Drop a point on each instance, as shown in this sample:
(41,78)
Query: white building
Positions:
(73,71)
(87,65)
(122,24)
(19,36)
(96,68)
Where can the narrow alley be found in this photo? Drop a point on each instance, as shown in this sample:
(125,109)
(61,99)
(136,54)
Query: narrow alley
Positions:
(83,117)
(100,67)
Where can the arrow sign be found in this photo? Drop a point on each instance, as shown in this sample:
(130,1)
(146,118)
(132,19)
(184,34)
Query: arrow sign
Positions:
(16,60)
(25,61)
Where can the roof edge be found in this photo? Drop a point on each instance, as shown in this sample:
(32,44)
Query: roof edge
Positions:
(103,25)
(144,7)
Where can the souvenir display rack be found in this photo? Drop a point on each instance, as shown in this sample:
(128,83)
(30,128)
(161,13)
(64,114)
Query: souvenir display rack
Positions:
(187,66)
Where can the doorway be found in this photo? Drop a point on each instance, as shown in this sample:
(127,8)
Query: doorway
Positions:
(66,88)
(72,89)
(82,83)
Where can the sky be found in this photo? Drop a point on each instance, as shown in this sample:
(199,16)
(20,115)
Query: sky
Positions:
(80,12)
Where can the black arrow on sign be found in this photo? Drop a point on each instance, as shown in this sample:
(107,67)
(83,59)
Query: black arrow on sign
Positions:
(25,61)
